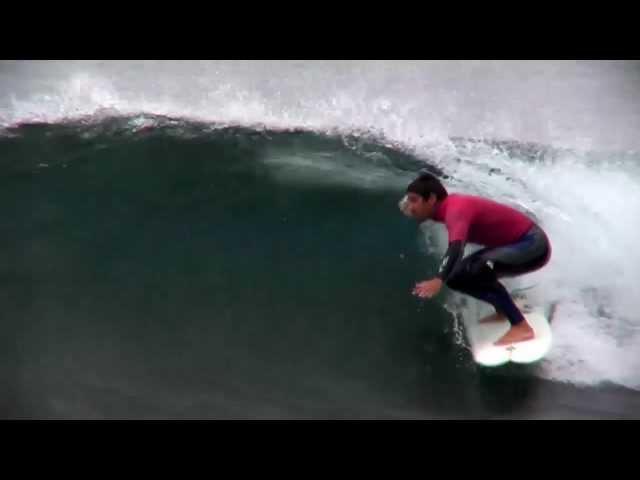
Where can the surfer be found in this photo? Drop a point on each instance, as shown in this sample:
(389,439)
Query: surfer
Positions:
(513,245)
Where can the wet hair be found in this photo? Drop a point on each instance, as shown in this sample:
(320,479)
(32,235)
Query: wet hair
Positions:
(425,185)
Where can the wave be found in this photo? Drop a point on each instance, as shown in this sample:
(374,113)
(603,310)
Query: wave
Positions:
(156,183)
(574,197)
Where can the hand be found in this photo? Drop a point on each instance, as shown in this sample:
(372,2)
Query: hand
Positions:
(428,288)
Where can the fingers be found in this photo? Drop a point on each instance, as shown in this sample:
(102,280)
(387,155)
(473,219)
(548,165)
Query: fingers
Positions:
(423,290)
(422,293)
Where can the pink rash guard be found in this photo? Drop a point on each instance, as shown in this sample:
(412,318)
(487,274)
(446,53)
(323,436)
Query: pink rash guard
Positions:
(481,221)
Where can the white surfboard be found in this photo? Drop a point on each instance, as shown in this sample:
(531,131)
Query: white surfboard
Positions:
(482,335)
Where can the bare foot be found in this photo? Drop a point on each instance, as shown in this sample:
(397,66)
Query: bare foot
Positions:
(518,333)
(493,318)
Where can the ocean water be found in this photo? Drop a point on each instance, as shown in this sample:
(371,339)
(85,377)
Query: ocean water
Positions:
(222,239)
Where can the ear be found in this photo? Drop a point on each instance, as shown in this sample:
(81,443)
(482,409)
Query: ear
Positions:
(432,199)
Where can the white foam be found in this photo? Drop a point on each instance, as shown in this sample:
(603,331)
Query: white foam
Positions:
(589,212)
(588,104)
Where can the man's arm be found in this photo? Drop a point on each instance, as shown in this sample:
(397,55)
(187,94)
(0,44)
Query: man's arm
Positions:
(457,223)
(451,258)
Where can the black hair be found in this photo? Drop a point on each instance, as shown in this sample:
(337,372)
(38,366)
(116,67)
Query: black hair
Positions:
(425,185)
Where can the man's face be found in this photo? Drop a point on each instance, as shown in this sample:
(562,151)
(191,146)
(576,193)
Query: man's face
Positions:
(415,206)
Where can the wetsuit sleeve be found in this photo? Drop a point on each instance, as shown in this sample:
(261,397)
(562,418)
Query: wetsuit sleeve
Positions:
(451,258)
(457,222)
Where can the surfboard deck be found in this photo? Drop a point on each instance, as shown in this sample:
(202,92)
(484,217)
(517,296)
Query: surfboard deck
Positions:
(482,336)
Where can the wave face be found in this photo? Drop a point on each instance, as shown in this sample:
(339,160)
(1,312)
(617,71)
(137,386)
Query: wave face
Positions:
(223,239)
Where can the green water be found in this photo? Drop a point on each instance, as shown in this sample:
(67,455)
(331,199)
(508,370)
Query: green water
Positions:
(186,272)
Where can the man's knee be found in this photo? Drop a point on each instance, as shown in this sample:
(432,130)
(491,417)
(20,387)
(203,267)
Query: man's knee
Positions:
(471,273)
(482,271)
(458,280)
(453,284)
